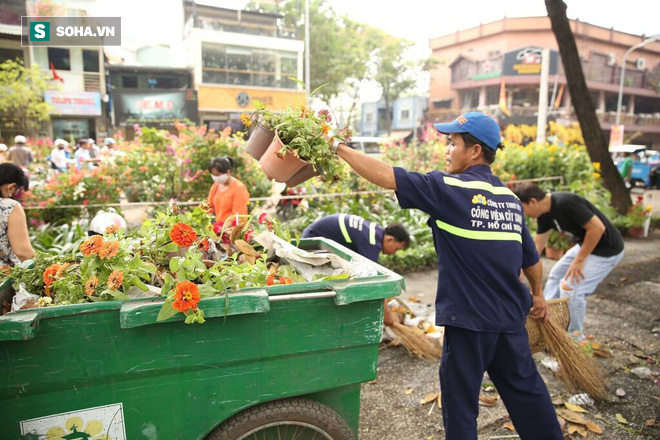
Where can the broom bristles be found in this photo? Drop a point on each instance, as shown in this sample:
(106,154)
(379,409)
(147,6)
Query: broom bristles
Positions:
(578,372)
(416,343)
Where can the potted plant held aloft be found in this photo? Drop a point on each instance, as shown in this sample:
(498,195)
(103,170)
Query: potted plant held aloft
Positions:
(301,147)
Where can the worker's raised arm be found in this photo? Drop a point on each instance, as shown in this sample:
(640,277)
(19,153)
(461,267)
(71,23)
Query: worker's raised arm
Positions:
(374,170)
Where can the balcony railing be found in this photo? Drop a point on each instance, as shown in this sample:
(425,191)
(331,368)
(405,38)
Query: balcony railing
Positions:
(637,120)
(593,71)
(224,25)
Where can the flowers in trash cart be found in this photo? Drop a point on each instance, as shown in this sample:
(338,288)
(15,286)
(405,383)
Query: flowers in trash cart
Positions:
(186,296)
(183,235)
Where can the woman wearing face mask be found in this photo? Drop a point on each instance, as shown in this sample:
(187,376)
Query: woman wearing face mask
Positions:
(228,195)
(14,239)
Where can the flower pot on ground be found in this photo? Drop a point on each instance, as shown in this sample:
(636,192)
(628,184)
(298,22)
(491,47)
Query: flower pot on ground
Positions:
(278,166)
(304,174)
(553,253)
(259,141)
(636,231)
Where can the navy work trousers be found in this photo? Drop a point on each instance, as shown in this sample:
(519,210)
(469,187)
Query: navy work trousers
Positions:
(508,360)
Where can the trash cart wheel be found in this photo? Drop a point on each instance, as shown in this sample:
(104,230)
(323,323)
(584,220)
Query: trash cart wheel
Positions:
(287,419)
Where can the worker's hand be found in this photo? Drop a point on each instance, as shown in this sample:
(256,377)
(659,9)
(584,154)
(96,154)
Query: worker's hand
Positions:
(539,308)
(575,272)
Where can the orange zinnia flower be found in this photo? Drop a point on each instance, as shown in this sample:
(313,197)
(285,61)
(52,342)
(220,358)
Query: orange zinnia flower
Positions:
(270,280)
(90,285)
(285,280)
(204,245)
(183,235)
(115,279)
(109,249)
(186,296)
(112,229)
(91,246)
(51,273)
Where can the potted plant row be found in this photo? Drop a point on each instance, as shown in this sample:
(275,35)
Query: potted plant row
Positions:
(294,145)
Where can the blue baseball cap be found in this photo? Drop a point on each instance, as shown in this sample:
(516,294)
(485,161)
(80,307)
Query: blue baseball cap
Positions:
(481,126)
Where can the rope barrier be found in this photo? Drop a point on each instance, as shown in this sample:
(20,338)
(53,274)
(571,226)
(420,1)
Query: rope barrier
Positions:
(256,199)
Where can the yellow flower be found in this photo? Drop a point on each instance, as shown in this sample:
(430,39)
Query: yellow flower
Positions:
(551,159)
(246,120)
(596,166)
(596,175)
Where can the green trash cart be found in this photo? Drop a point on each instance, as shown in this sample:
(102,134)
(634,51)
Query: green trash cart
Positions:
(280,362)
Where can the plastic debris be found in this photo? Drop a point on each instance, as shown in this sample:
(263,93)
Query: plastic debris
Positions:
(582,399)
(642,372)
(550,363)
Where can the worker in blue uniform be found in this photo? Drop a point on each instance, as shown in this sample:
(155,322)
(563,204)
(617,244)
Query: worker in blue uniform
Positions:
(482,243)
(363,237)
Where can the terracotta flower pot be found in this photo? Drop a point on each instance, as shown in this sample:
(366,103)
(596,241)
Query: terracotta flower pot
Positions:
(636,231)
(305,173)
(280,168)
(259,141)
(553,254)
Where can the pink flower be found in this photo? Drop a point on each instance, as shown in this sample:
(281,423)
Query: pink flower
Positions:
(262,218)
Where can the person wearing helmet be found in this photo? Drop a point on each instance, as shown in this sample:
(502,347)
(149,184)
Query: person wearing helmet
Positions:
(103,220)
(3,153)
(20,154)
(58,157)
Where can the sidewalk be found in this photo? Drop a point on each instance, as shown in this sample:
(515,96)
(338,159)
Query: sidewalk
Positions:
(622,315)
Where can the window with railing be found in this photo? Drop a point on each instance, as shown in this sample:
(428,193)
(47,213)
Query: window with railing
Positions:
(223,64)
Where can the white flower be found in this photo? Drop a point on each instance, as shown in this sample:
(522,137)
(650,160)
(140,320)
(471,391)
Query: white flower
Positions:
(44,301)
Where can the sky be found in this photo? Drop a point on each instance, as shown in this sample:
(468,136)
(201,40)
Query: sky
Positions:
(153,21)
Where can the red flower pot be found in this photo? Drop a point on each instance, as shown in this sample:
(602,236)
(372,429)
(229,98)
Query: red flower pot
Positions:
(280,168)
(553,254)
(636,231)
(259,141)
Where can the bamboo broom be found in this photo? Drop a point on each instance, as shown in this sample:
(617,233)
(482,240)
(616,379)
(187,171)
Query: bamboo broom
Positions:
(578,371)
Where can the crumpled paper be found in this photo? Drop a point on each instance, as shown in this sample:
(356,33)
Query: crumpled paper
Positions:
(311,265)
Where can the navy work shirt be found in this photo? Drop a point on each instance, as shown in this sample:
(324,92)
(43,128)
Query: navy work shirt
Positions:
(482,242)
(352,231)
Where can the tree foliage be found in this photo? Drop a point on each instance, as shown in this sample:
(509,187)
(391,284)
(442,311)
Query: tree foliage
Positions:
(337,45)
(22,94)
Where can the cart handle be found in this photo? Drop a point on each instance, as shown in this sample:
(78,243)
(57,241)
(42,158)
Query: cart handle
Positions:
(294,297)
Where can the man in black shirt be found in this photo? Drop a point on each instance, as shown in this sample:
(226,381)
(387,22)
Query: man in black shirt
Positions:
(598,245)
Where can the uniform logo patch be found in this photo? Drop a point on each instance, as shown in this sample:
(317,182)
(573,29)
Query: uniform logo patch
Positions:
(461,120)
(479,199)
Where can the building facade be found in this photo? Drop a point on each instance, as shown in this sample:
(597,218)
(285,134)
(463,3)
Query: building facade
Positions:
(406,115)
(239,57)
(151,96)
(495,68)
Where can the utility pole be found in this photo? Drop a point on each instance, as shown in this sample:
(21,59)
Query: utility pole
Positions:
(542,117)
(307,54)
(623,72)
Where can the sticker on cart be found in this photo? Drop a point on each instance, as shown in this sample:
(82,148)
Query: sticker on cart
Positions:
(100,423)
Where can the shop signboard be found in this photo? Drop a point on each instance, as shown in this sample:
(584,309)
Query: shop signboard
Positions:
(527,61)
(74,103)
(157,108)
